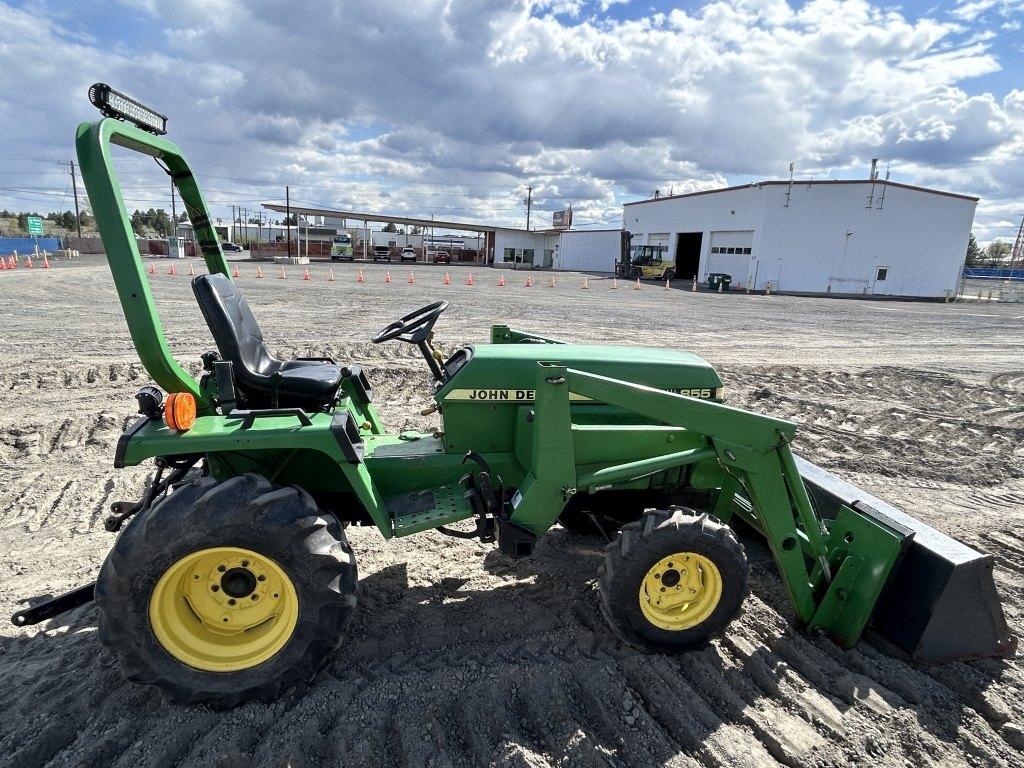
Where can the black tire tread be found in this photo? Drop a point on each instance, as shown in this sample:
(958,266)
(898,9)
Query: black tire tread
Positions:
(246,500)
(631,550)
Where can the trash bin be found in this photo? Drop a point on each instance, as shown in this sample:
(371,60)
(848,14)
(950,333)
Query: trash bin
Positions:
(716,279)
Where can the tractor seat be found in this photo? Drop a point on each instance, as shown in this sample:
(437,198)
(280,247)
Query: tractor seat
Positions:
(259,376)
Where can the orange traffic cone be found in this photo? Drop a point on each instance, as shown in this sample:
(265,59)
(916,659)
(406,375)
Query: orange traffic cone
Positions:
(387,277)
(447,279)
(11,263)
(501,282)
(152,269)
(412,279)
(191,270)
(529,281)
(330,277)
(259,271)
(283,275)
(173,270)
(470,280)
(586,285)
(615,284)
(305,275)
(28,261)
(637,286)
(46,260)
(3,264)
(234,271)
(360,278)
(666,286)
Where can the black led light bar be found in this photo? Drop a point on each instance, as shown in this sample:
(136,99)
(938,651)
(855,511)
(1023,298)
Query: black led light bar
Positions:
(115,104)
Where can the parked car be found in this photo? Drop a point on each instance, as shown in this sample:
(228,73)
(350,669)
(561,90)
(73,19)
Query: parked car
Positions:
(231,247)
(408,254)
(442,257)
(381,253)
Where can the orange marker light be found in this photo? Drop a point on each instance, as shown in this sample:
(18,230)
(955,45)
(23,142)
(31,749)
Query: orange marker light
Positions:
(180,411)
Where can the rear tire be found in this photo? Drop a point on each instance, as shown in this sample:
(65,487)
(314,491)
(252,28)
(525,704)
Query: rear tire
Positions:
(636,273)
(670,274)
(156,614)
(663,559)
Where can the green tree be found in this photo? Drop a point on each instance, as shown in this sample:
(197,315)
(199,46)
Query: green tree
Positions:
(997,250)
(974,252)
(389,227)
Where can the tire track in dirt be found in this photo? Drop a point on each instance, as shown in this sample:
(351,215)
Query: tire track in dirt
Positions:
(460,657)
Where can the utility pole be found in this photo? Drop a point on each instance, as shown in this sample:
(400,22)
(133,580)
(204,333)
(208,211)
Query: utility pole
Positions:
(234,235)
(74,187)
(287,217)
(529,204)
(1018,250)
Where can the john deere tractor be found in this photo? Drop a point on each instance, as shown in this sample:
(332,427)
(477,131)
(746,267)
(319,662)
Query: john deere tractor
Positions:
(232,577)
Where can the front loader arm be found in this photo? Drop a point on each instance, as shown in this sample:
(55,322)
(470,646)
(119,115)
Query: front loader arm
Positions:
(833,578)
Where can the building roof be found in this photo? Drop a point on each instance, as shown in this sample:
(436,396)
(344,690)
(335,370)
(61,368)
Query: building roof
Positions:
(806,183)
(412,221)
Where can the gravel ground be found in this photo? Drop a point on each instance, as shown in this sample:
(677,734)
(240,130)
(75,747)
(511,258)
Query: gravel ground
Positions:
(461,657)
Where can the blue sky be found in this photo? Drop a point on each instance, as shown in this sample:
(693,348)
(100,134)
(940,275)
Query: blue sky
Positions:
(454,108)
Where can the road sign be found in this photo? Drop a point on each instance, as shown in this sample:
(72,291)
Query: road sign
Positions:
(35,226)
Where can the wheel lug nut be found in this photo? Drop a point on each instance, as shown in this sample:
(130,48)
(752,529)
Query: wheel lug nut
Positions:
(261,577)
(221,568)
(214,587)
(255,597)
(231,601)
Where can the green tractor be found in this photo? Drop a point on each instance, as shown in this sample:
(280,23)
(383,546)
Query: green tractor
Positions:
(233,578)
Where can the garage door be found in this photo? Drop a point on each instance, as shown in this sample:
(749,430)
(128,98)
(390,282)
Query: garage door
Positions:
(730,253)
(658,238)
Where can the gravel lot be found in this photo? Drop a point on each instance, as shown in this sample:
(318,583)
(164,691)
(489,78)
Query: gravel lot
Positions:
(460,657)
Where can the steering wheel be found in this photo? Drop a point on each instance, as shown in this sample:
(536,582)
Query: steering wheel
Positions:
(414,327)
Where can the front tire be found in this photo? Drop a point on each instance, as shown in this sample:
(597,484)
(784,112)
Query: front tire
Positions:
(227,591)
(673,580)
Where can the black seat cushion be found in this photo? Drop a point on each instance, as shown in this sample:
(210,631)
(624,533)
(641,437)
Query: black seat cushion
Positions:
(298,383)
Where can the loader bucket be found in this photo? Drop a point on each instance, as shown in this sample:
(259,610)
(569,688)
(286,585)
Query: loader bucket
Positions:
(939,603)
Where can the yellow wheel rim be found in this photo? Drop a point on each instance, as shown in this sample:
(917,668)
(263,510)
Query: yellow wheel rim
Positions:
(223,609)
(680,591)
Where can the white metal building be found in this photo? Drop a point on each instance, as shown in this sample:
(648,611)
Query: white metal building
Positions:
(850,237)
(531,248)
(583,250)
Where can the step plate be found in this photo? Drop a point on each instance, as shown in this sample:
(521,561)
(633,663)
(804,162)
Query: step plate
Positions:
(422,510)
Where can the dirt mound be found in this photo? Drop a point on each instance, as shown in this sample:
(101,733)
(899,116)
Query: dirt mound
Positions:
(461,657)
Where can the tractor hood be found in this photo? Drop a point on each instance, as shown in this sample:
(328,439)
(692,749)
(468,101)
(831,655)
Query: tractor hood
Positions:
(508,372)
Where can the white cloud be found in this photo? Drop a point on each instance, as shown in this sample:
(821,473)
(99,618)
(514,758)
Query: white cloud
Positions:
(454,106)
